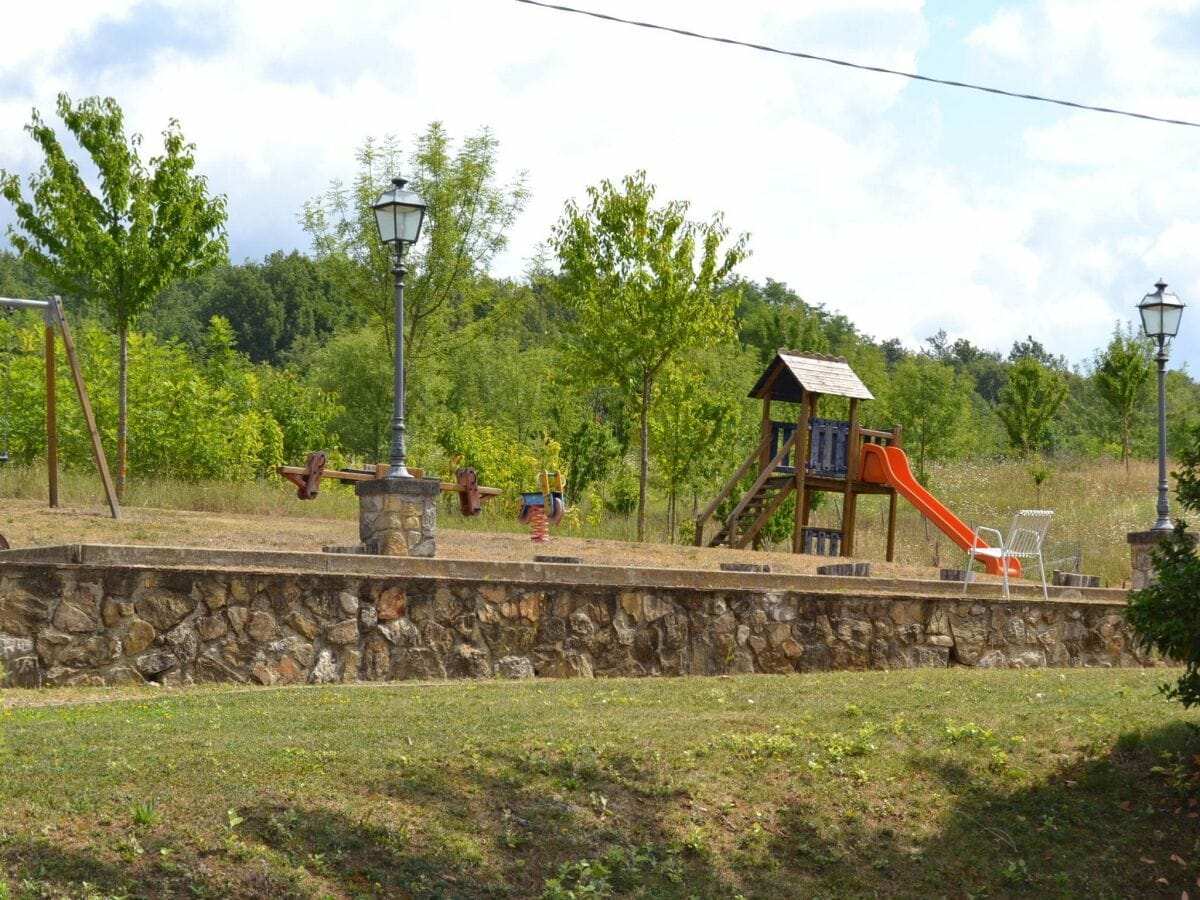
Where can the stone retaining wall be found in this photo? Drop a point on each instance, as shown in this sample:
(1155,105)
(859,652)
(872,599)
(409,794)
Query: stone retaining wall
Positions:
(68,623)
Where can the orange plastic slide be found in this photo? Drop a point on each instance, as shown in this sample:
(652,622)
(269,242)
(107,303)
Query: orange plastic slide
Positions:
(889,465)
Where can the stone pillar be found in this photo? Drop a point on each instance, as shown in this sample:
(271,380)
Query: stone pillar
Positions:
(397,516)
(1141,545)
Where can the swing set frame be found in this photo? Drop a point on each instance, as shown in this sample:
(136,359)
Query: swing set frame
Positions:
(55,319)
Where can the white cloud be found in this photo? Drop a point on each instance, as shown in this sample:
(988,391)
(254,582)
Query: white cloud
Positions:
(1005,36)
(860,193)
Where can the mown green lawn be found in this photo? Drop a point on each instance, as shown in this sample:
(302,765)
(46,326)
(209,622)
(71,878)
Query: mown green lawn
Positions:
(913,784)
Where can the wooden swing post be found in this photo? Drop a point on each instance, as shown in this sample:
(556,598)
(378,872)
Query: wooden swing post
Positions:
(55,318)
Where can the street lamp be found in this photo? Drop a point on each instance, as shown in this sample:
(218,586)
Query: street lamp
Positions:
(1161,312)
(399,213)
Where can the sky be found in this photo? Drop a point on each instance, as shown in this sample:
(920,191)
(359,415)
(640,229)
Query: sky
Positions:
(908,207)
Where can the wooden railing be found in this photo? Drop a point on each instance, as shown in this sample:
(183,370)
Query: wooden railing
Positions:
(833,442)
(732,518)
(705,514)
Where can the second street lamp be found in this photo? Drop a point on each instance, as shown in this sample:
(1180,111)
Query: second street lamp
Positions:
(399,214)
(1161,312)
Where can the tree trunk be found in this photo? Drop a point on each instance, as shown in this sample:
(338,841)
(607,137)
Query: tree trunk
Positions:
(1126,428)
(122,405)
(644,474)
(671,514)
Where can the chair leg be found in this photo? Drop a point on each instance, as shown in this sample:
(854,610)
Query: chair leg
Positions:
(1042,569)
(1004,569)
(968,575)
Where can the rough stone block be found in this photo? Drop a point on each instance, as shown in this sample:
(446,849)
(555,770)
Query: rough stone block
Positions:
(325,671)
(350,663)
(515,667)
(392,604)
(112,611)
(23,672)
(420,662)
(237,616)
(343,633)
(78,614)
(162,610)
(184,641)
(261,626)
(12,647)
(155,662)
(91,652)
(299,622)
(138,637)
(471,662)
(288,672)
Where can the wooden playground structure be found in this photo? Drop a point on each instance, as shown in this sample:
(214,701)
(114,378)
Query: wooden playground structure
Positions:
(55,319)
(805,456)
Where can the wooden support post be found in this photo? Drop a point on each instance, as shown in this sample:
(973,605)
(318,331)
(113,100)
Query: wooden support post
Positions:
(808,410)
(849,498)
(765,436)
(86,405)
(764,458)
(896,441)
(51,411)
(891,526)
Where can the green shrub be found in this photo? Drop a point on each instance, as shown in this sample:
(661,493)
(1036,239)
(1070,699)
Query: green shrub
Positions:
(1165,614)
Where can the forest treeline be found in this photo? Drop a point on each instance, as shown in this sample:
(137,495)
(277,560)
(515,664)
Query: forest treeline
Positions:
(623,355)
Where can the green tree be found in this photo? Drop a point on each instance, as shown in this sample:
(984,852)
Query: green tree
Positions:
(693,427)
(773,317)
(930,401)
(242,297)
(146,226)
(1122,375)
(1029,402)
(641,282)
(1183,411)
(1032,348)
(466,225)
(19,279)
(355,369)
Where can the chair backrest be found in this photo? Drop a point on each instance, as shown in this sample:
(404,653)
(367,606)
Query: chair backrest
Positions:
(1028,530)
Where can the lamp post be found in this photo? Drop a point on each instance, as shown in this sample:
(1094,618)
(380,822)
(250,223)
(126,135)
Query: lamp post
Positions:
(399,214)
(1161,312)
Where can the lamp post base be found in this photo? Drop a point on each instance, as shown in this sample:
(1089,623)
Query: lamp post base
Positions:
(398,516)
(1141,545)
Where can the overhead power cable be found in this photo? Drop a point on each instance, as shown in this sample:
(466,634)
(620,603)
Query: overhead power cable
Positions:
(852,65)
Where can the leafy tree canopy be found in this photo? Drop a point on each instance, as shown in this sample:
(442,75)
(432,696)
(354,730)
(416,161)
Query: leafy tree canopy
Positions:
(466,224)
(1123,374)
(641,282)
(125,239)
(1029,403)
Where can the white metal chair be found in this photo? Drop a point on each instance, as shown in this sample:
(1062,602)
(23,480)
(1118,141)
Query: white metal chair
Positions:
(1024,541)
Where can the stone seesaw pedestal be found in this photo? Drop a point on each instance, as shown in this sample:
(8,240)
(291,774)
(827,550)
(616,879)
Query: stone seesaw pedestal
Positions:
(92,615)
(397,516)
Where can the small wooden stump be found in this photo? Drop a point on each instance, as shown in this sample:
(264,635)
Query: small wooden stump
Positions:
(953,575)
(1073,579)
(745,567)
(853,570)
(567,560)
